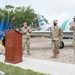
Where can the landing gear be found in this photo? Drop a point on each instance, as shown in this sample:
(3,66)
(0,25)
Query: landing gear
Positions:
(61,44)
(49,29)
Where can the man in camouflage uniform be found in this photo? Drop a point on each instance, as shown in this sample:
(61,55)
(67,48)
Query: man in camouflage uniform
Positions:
(72,28)
(56,36)
(26,38)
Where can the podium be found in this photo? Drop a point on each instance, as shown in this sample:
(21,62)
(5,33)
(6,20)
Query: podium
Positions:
(13,46)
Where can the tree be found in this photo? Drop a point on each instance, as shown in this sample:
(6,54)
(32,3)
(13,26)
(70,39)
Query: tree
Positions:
(10,10)
(21,14)
(24,14)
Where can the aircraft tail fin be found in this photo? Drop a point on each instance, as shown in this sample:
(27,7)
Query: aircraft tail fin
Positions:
(41,21)
(63,27)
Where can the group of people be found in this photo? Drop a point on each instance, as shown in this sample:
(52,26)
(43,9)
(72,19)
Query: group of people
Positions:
(56,34)
(72,28)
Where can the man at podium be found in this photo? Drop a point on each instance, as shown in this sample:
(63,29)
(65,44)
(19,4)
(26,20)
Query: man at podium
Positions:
(26,38)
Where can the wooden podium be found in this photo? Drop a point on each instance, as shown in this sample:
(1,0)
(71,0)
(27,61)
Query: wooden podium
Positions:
(13,46)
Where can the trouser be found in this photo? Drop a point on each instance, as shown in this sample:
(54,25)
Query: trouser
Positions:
(55,46)
(3,41)
(26,44)
(74,45)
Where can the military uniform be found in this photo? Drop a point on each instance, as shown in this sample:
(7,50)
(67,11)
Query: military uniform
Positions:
(26,39)
(72,28)
(56,36)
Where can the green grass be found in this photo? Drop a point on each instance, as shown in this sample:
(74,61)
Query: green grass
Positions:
(67,40)
(36,36)
(11,70)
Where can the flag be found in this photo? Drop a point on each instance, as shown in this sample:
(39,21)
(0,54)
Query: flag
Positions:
(7,25)
(2,24)
(2,28)
(1,33)
(11,26)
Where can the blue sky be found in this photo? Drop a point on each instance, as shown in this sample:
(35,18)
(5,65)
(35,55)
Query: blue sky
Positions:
(50,9)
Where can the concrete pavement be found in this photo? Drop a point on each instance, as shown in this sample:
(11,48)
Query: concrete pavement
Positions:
(44,66)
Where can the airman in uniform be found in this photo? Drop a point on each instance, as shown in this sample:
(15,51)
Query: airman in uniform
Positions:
(72,28)
(26,38)
(56,36)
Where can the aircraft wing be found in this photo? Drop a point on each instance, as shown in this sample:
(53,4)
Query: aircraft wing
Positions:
(47,33)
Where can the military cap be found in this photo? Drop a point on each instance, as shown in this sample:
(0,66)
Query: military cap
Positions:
(74,17)
(24,23)
(55,21)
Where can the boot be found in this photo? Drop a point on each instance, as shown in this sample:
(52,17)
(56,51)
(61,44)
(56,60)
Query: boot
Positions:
(54,56)
(23,52)
(28,53)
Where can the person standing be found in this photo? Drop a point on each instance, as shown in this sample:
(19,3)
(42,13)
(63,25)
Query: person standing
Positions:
(56,36)
(72,28)
(26,38)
